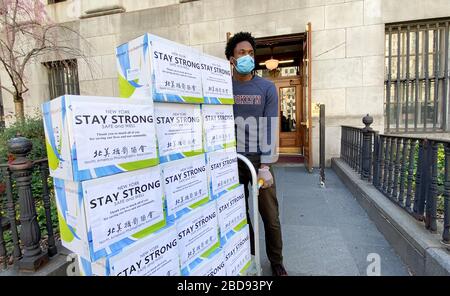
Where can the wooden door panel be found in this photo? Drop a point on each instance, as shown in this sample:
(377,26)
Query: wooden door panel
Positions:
(289,94)
(289,142)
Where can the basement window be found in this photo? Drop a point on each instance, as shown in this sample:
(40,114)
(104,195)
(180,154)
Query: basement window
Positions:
(63,78)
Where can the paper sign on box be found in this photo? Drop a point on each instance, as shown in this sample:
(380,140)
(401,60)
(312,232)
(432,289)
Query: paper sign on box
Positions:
(222,171)
(237,253)
(156,255)
(90,137)
(216,80)
(214,266)
(232,213)
(179,130)
(102,216)
(185,185)
(198,235)
(218,127)
(159,69)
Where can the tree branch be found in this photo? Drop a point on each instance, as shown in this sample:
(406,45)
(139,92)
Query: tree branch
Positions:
(29,36)
(7,89)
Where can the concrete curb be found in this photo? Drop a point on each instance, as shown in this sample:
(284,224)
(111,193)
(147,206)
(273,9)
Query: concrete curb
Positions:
(57,266)
(419,249)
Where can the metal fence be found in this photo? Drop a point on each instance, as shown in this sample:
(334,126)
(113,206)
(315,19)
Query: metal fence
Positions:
(412,172)
(21,236)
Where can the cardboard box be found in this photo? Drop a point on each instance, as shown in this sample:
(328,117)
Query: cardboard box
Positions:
(155,255)
(89,137)
(159,69)
(179,131)
(237,253)
(222,171)
(198,235)
(214,266)
(216,80)
(185,185)
(232,213)
(218,127)
(102,216)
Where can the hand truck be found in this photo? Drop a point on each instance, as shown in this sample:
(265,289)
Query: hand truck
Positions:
(255,269)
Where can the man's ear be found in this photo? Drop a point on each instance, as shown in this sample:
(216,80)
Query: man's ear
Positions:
(233,61)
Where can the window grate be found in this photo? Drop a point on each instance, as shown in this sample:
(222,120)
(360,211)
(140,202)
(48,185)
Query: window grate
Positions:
(63,78)
(417,77)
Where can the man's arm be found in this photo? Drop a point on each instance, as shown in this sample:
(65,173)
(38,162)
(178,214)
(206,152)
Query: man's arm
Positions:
(269,132)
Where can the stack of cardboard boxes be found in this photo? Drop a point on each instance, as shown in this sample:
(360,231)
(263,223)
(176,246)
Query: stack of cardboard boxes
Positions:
(150,185)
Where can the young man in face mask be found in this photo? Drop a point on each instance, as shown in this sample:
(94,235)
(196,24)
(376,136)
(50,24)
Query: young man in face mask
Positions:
(256,117)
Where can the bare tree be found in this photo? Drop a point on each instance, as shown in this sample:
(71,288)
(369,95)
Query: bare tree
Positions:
(27,35)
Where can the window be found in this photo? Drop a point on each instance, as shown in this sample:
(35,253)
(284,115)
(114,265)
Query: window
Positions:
(55,1)
(63,78)
(417,76)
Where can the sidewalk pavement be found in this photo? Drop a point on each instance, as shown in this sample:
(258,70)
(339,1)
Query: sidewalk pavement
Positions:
(325,231)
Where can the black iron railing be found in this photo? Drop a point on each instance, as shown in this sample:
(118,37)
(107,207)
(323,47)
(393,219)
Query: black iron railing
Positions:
(21,235)
(412,172)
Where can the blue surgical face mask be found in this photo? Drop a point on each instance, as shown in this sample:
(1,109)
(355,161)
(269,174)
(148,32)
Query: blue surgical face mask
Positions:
(245,65)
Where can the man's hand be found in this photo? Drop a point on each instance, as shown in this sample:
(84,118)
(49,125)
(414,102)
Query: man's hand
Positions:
(265,175)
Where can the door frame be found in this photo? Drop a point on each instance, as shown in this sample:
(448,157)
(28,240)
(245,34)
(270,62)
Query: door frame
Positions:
(307,92)
(306,39)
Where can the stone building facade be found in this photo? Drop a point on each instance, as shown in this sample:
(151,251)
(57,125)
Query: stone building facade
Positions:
(348,45)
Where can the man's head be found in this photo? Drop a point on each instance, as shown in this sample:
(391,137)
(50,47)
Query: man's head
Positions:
(241,45)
